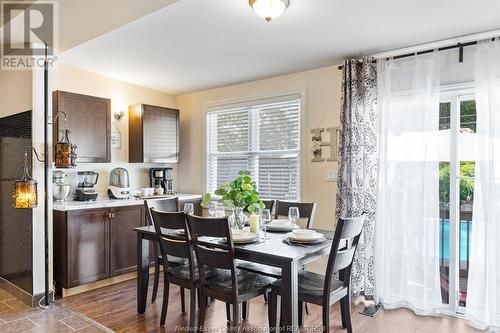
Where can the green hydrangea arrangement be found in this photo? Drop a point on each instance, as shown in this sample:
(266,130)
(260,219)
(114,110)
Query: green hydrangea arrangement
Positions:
(241,193)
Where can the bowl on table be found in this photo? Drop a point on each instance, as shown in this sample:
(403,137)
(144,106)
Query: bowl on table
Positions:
(281,225)
(305,235)
(243,236)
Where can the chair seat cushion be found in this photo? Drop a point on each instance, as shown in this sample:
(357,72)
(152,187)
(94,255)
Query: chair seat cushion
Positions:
(311,286)
(248,282)
(266,270)
(182,272)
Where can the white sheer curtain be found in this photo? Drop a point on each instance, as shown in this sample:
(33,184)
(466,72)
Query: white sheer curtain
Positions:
(483,294)
(407,224)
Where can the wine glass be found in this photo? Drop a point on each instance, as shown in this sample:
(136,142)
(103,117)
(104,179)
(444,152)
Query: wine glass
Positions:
(189,208)
(293,215)
(213,208)
(265,218)
(220,211)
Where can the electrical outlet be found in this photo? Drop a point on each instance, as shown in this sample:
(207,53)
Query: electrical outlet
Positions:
(331,176)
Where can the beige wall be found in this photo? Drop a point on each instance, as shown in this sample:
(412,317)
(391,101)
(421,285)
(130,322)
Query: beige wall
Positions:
(15,92)
(122,94)
(321,88)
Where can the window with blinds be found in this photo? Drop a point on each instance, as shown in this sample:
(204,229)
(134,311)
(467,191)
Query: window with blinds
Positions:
(262,137)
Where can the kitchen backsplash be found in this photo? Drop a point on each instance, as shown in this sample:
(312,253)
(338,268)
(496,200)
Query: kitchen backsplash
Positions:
(138,174)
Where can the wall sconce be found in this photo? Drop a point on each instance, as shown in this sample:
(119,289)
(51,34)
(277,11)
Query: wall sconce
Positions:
(119,115)
(26,188)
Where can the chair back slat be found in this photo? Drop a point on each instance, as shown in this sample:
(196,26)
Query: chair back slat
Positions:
(306,210)
(164,205)
(343,259)
(168,220)
(352,227)
(175,247)
(214,257)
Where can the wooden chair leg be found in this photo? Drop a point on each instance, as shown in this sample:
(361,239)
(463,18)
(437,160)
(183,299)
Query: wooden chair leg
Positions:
(307,308)
(156,280)
(345,309)
(245,310)
(235,322)
(164,306)
(201,313)
(192,308)
(183,300)
(326,318)
(301,313)
(265,298)
(228,312)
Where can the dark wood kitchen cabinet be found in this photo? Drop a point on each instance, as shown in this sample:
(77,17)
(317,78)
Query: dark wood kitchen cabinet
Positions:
(94,244)
(153,134)
(89,122)
(122,238)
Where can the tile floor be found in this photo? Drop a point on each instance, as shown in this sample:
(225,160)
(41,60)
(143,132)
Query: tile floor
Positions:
(16,316)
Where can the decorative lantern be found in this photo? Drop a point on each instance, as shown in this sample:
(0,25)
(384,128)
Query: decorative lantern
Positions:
(26,192)
(65,155)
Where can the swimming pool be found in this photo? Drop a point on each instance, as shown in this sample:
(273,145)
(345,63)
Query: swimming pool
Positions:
(444,242)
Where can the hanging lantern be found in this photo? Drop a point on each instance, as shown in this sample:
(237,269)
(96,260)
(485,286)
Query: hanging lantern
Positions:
(26,192)
(65,155)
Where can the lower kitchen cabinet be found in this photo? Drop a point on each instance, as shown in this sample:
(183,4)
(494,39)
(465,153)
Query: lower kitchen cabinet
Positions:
(94,244)
(123,248)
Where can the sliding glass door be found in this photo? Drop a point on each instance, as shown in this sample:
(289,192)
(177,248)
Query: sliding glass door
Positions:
(457,125)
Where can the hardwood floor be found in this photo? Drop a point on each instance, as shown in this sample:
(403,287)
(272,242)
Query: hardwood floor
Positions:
(115,307)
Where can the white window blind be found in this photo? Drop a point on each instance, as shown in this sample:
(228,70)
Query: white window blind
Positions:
(262,137)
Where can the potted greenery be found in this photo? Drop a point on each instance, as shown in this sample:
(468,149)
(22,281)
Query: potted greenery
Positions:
(238,194)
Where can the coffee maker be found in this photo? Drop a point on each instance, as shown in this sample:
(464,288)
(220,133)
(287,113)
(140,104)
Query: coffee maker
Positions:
(161,177)
(86,186)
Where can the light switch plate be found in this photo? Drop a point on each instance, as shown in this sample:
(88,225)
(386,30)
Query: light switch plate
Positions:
(331,176)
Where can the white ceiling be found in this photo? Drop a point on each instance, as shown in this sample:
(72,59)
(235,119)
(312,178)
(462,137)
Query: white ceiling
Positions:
(193,45)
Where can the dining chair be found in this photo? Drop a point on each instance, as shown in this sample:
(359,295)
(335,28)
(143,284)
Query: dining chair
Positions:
(231,285)
(306,210)
(166,205)
(179,245)
(325,290)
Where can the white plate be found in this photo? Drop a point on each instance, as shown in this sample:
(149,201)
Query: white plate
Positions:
(180,232)
(310,238)
(304,233)
(243,237)
(281,226)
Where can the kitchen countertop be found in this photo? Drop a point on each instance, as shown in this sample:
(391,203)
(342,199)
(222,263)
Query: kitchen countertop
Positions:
(103,202)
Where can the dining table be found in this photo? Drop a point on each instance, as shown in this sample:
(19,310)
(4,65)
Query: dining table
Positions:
(275,251)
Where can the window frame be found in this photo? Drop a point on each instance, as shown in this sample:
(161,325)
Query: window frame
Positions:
(262,99)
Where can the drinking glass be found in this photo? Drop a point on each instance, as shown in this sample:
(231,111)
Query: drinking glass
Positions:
(220,212)
(293,215)
(189,208)
(265,218)
(213,208)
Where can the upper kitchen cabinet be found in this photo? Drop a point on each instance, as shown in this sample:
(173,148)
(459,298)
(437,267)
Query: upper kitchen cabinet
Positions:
(89,122)
(153,134)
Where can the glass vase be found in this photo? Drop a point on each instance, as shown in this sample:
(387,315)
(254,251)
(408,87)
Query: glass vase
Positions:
(238,218)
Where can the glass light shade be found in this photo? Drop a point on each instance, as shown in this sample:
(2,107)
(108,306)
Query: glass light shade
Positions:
(269,9)
(64,152)
(26,193)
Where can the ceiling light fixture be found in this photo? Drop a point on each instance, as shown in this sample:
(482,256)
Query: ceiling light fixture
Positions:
(269,9)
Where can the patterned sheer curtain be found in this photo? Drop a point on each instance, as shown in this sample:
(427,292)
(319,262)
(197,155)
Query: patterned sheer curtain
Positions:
(483,294)
(357,176)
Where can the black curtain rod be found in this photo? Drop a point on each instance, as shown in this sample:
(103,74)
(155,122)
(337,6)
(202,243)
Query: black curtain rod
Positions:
(457,46)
